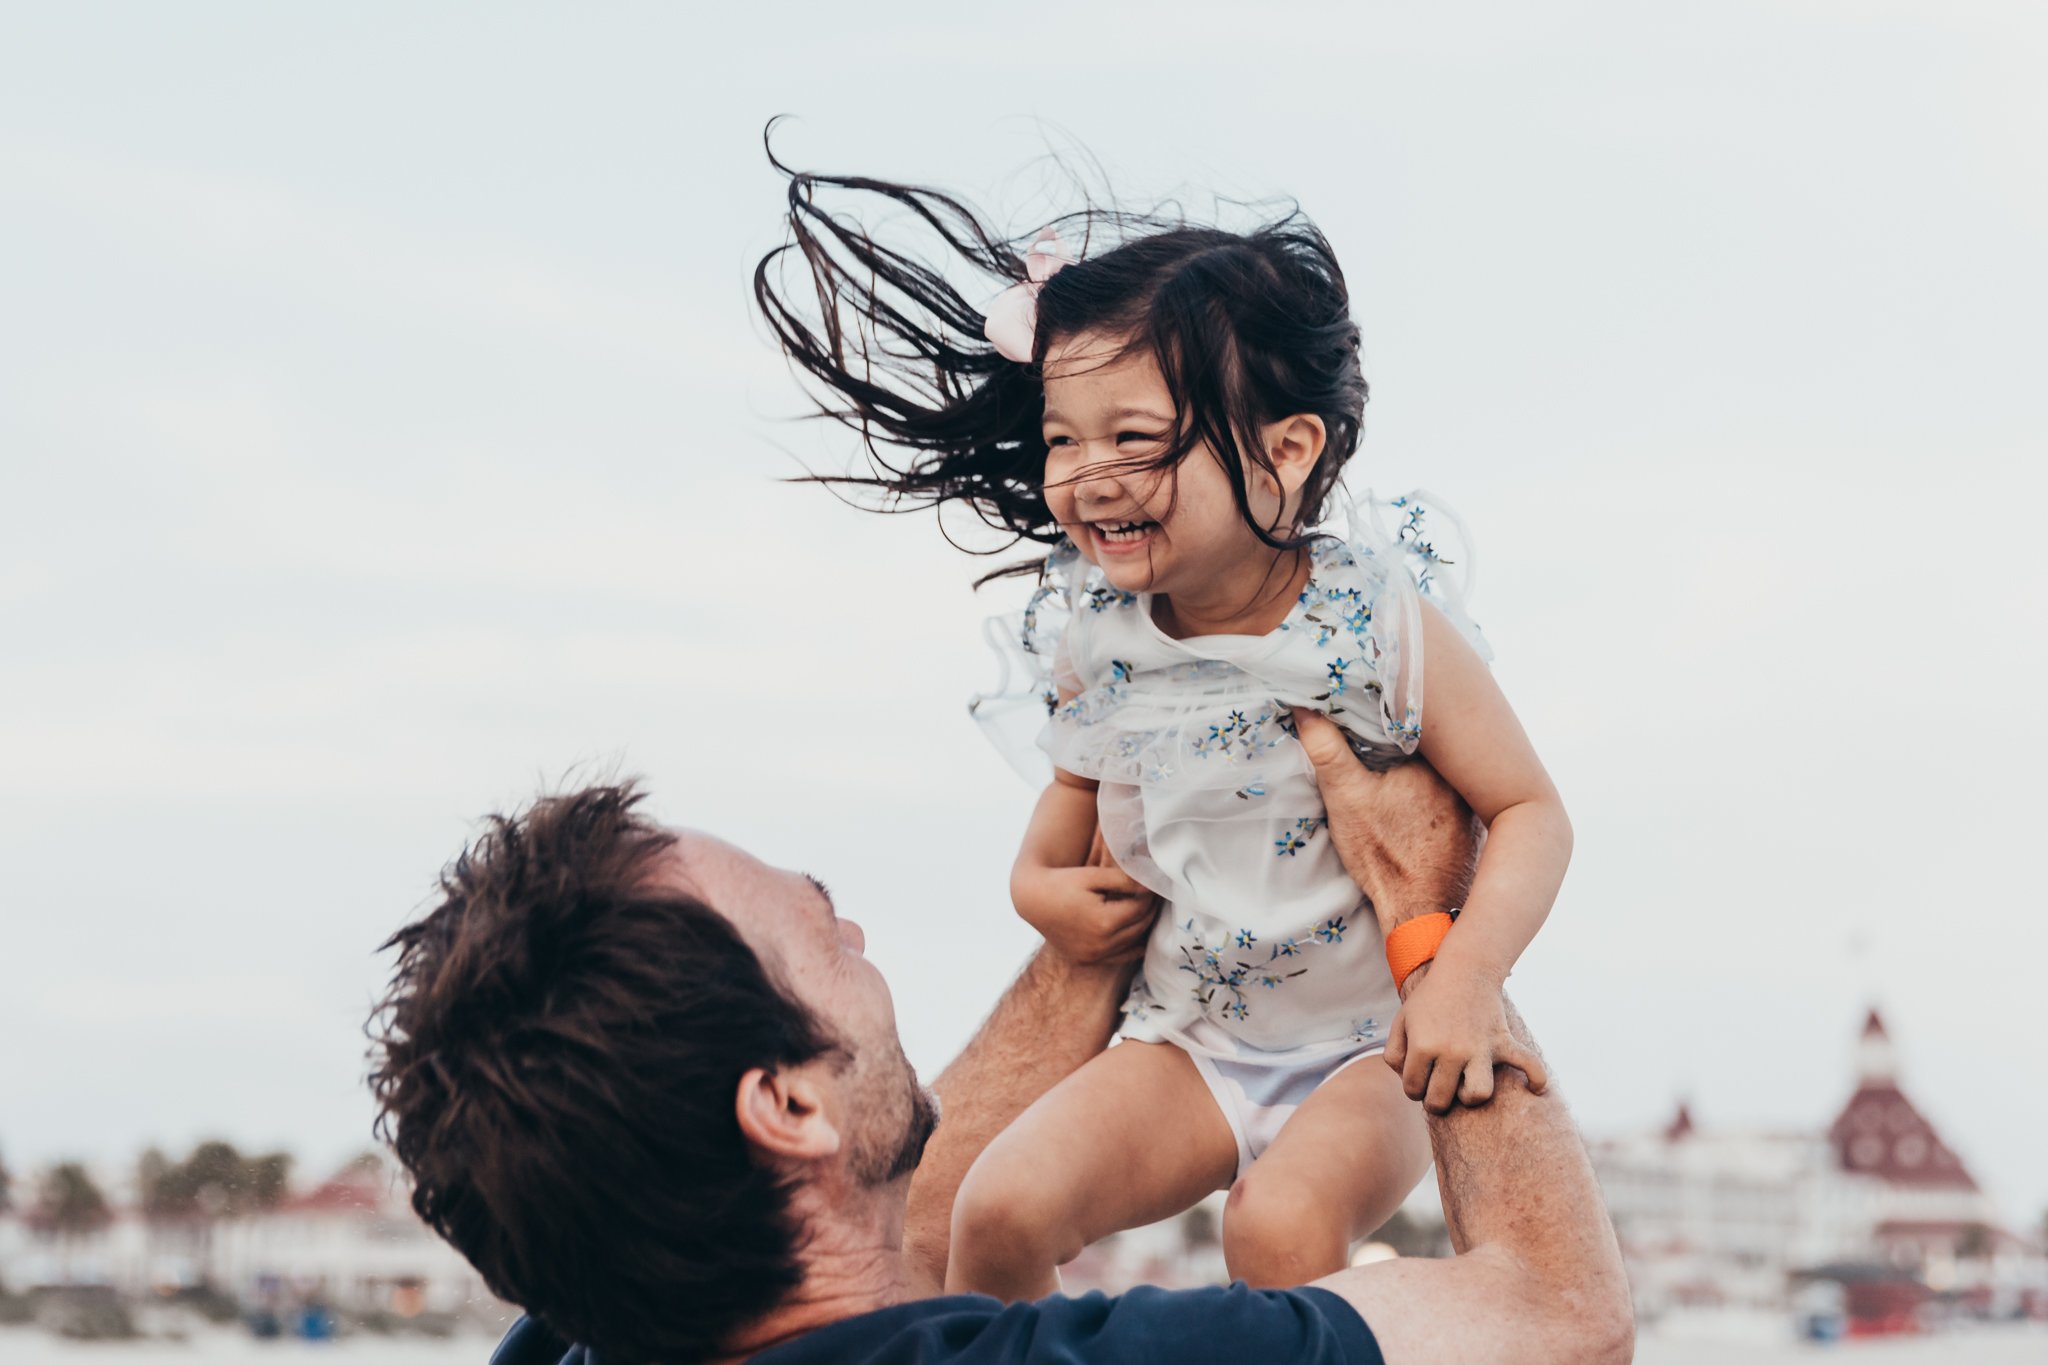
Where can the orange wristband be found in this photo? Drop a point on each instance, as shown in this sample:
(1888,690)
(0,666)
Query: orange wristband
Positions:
(1414,942)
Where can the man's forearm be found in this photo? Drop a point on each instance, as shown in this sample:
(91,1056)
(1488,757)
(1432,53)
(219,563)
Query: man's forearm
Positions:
(1514,1174)
(1054,1017)
(1538,1277)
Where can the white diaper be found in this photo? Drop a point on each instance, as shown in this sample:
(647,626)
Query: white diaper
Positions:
(1258,1097)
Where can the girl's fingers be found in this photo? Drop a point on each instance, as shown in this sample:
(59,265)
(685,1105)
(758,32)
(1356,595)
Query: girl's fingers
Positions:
(1415,1073)
(1478,1086)
(1113,881)
(1442,1093)
(1397,1042)
(1134,930)
(1531,1065)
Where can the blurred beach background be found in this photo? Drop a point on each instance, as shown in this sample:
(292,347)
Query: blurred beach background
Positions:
(386,435)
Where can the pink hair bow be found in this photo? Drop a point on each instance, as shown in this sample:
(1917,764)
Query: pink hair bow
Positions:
(1013,318)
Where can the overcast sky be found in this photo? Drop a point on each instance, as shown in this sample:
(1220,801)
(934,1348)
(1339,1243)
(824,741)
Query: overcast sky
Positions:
(384,431)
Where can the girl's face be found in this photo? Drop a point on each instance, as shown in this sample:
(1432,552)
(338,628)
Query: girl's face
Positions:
(1175,531)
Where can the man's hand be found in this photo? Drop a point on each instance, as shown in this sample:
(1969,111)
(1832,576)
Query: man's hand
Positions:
(1093,915)
(1406,837)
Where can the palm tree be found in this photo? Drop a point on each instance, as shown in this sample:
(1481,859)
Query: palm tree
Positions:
(213,1182)
(69,1205)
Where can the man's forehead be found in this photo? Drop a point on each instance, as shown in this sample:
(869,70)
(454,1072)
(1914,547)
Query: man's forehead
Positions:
(728,879)
(701,864)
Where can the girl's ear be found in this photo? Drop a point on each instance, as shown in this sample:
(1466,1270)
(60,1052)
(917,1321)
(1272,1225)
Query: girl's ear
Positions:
(1294,444)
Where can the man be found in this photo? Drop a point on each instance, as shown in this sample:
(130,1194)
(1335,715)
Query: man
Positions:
(652,1089)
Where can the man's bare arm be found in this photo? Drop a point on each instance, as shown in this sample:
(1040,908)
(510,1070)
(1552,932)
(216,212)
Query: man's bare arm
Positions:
(1055,1016)
(1538,1276)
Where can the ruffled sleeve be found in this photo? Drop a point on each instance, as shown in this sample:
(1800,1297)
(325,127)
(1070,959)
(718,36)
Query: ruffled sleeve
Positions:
(1029,646)
(1370,578)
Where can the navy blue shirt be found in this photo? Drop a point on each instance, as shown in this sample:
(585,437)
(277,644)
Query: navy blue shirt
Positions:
(1217,1326)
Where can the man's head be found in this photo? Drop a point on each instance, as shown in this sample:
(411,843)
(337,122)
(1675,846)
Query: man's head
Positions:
(629,1069)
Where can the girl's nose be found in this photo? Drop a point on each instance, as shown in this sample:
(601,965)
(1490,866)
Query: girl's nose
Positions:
(1099,481)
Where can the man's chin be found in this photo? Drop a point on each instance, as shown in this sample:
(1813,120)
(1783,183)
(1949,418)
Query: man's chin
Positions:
(924,1121)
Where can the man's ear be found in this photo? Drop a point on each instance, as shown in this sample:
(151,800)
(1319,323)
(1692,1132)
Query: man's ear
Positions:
(783,1113)
(1294,444)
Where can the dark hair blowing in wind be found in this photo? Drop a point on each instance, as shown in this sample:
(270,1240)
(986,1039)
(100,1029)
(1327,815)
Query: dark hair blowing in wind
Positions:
(1248,328)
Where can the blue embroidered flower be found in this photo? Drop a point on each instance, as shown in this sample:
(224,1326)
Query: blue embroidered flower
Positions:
(1408,727)
(1331,931)
(1246,938)
(1296,839)
(1336,670)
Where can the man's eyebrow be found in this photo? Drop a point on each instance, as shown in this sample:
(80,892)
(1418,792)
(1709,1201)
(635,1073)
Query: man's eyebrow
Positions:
(824,891)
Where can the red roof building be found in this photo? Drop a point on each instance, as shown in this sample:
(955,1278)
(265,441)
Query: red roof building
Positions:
(1707,1214)
(1880,1134)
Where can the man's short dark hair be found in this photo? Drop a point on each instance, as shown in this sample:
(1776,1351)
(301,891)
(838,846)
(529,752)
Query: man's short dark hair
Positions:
(556,1064)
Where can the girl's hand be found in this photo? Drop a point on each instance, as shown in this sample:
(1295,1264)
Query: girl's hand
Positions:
(1451,1032)
(1094,915)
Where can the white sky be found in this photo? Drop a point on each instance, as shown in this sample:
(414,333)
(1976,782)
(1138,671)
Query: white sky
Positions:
(384,429)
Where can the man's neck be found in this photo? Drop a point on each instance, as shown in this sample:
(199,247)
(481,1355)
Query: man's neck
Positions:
(853,1263)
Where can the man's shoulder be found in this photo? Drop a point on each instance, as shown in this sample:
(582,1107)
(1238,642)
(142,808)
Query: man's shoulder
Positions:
(1222,1324)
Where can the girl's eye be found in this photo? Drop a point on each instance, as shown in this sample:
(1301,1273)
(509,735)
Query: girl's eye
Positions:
(1146,436)
(1058,441)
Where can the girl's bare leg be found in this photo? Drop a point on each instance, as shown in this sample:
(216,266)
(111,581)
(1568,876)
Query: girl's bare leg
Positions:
(1132,1137)
(1338,1169)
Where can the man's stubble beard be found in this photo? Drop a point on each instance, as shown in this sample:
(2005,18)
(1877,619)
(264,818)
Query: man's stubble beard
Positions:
(899,1145)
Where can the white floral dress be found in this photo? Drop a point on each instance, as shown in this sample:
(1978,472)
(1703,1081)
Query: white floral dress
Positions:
(1264,949)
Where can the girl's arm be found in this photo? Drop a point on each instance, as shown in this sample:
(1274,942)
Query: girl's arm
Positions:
(1068,888)
(1445,1041)
(1062,825)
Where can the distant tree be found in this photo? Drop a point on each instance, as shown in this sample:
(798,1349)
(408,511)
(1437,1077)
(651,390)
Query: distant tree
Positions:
(213,1182)
(152,1171)
(1198,1227)
(68,1203)
(266,1181)
(1975,1242)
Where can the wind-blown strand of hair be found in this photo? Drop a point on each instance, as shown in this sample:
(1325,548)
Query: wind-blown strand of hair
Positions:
(897,351)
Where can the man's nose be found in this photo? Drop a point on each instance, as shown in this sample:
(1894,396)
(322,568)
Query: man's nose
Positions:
(851,935)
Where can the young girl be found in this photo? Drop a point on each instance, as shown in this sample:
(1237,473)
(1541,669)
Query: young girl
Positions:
(1172,413)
